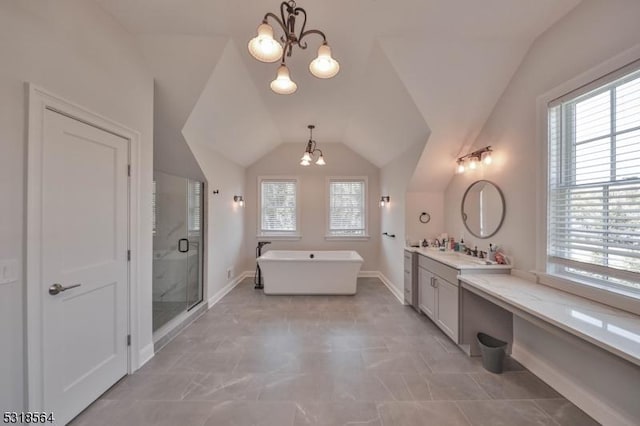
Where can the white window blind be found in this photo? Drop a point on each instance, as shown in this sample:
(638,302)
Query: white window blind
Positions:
(347,208)
(278,206)
(195,206)
(594,184)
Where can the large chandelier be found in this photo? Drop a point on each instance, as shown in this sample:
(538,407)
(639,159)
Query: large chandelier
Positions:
(265,48)
(311,150)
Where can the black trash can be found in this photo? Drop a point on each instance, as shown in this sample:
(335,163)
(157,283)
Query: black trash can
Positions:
(492,351)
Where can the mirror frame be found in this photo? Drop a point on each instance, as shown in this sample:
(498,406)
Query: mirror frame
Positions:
(464,216)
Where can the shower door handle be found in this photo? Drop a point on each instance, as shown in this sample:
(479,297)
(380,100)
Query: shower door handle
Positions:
(183,245)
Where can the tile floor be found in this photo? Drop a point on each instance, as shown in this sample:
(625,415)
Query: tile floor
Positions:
(318,360)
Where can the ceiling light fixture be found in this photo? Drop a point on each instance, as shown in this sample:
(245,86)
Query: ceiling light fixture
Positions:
(265,48)
(481,155)
(310,151)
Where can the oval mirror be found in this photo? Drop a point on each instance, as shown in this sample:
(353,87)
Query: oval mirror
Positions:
(483,209)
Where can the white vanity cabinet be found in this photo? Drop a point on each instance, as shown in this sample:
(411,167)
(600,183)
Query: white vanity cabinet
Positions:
(439,296)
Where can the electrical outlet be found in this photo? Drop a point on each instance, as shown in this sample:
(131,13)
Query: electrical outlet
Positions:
(229,273)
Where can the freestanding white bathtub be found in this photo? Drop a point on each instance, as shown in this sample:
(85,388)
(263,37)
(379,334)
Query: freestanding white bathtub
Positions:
(310,272)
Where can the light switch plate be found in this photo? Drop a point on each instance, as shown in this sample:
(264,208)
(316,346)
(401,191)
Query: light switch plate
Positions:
(8,271)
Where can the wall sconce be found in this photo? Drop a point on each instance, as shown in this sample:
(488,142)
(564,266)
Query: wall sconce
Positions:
(474,159)
(384,200)
(238,200)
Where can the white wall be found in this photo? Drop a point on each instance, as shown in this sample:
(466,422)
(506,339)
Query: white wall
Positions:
(572,46)
(75,50)
(394,181)
(341,161)
(431,203)
(225,220)
(589,35)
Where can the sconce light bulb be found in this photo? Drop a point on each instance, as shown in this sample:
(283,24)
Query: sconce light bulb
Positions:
(487,158)
(473,164)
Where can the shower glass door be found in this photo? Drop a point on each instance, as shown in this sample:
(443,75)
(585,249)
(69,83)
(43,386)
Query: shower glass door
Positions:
(177,246)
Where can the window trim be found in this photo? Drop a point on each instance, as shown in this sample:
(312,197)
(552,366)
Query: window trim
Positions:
(328,235)
(622,63)
(280,235)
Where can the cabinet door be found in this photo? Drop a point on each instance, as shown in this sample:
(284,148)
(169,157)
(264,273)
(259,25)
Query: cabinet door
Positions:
(447,307)
(427,293)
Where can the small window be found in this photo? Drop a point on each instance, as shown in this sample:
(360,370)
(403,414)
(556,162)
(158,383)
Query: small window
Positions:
(593,200)
(195,207)
(278,207)
(347,216)
(154,212)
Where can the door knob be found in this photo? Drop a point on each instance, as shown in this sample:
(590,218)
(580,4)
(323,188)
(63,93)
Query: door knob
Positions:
(59,288)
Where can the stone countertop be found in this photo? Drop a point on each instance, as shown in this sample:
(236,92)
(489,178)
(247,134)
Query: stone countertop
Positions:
(612,329)
(457,260)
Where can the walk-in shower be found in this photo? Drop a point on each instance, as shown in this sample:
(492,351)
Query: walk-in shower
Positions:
(177,246)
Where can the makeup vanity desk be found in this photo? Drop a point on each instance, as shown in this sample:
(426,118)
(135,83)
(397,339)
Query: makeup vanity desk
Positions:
(611,329)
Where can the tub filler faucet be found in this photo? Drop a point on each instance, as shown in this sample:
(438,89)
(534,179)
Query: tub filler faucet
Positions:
(257,280)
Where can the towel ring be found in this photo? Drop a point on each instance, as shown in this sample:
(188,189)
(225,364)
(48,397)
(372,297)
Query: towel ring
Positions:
(424,217)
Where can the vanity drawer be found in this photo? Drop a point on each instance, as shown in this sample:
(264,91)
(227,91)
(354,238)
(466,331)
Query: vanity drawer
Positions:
(446,272)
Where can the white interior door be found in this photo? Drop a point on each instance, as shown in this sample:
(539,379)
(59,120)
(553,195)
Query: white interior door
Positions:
(84,244)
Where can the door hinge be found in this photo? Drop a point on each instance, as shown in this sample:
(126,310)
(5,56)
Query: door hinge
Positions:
(128,340)
(129,170)
(128,255)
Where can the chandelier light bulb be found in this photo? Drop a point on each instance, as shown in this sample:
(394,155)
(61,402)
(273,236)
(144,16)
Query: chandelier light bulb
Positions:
(306,157)
(460,168)
(264,47)
(283,85)
(487,158)
(321,161)
(324,66)
(304,163)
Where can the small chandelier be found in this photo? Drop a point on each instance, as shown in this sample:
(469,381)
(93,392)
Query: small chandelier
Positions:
(310,151)
(265,48)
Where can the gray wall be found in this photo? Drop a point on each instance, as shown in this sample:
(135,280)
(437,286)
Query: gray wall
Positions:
(75,50)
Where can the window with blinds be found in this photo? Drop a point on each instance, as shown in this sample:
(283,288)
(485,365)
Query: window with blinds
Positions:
(347,208)
(194,206)
(594,182)
(278,206)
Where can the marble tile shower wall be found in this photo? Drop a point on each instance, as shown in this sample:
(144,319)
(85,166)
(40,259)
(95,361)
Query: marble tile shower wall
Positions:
(169,266)
(171,270)
(320,360)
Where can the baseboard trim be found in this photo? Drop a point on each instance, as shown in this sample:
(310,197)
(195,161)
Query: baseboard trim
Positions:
(575,393)
(226,289)
(392,288)
(145,355)
(368,274)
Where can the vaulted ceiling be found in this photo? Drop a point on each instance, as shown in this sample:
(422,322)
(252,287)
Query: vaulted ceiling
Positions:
(410,70)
